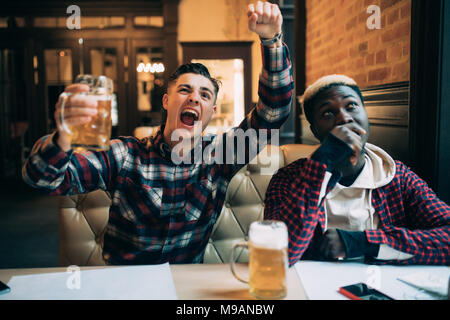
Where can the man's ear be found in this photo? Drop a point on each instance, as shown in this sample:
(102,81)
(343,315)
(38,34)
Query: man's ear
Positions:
(212,114)
(165,100)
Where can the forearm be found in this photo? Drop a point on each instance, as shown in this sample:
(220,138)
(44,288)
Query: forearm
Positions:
(63,141)
(430,246)
(254,132)
(300,227)
(330,153)
(275,89)
(356,246)
(293,197)
(425,235)
(47,164)
(56,172)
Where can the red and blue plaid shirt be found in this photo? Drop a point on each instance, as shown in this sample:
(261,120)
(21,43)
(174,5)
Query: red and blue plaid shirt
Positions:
(412,218)
(160,212)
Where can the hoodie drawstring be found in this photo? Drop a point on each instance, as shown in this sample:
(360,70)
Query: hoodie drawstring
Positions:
(371,209)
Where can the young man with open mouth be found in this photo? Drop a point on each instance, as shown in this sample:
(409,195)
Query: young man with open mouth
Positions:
(161,211)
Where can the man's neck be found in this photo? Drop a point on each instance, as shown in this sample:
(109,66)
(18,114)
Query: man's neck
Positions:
(167,134)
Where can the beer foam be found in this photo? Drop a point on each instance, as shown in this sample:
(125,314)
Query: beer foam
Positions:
(271,235)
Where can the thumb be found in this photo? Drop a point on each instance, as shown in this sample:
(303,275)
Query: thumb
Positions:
(354,158)
(252,19)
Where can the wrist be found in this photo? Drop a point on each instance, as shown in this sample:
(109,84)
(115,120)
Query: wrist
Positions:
(274,41)
(356,244)
(62,140)
(331,152)
(277,44)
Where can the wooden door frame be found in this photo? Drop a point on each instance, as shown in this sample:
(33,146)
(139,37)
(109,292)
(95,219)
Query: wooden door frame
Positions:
(224,50)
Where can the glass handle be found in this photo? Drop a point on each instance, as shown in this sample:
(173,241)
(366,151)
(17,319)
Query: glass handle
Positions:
(233,258)
(64,96)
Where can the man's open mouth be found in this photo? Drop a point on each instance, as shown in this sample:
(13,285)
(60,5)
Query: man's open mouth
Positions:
(188,117)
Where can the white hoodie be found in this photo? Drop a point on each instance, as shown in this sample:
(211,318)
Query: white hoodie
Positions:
(350,208)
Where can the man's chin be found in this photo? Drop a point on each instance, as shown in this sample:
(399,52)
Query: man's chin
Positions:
(186,129)
(187,132)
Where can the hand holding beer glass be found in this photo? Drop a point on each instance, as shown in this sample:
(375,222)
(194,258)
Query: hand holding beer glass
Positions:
(267,245)
(83,114)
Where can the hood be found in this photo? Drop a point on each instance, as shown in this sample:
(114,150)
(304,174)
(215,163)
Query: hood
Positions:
(350,208)
(378,171)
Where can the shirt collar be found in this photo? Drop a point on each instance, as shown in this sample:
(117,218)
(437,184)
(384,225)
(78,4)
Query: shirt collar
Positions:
(159,144)
(165,151)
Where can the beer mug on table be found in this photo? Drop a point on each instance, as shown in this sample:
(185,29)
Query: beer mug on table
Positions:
(268,259)
(95,134)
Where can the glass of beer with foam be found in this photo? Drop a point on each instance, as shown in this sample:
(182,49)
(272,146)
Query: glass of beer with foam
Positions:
(268,259)
(96,134)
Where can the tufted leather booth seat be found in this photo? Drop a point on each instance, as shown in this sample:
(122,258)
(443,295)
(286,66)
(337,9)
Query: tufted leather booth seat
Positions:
(83,218)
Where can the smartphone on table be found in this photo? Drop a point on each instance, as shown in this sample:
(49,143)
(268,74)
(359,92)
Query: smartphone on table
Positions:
(4,288)
(360,291)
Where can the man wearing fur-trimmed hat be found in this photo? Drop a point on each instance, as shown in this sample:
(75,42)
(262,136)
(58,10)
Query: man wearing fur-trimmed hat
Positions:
(350,199)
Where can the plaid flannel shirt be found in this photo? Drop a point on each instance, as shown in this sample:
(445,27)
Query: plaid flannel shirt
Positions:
(412,218)
(160,212)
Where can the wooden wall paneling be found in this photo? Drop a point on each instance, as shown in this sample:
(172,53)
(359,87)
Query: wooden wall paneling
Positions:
(387,108)
(91,8)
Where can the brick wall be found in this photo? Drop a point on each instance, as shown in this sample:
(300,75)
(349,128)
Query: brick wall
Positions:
(339,41)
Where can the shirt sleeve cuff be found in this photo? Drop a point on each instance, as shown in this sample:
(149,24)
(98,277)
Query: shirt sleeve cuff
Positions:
(332,152)
(275,59)
(52,153)
(388,253)
(356,244)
